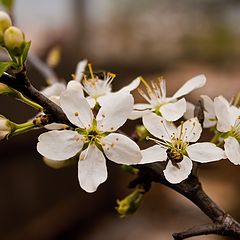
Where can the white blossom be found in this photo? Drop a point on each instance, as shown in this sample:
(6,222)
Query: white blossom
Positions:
(97,86)
(228,123)
(174,145)
(171,108)
(92,137)
(54,91)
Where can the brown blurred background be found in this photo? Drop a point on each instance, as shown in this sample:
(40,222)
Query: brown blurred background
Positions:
(173,39)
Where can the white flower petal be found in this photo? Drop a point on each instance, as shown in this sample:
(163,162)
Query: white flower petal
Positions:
(76,86)
(223,114)
(77,109)
(55,126)
(232,150)
(192,84)
(142,106)
(55,89)
(205,152)
(121,149)
(190,131)
(158,126)
(80,70)
(55,99)
(92,169)
(209,120)
(189,111)
(59,145)
(208,104)
(153,154)
(132,86)
(115,111)
(91,101)
(174,111)
(136,114)
(175,174)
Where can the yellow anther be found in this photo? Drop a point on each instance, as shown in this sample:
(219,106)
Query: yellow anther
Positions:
(112,75)
(76,114)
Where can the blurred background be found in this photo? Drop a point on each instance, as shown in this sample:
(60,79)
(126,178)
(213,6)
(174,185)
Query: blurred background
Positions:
(152,38)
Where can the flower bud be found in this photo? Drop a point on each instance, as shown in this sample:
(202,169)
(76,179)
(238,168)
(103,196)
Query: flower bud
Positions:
(141,132)
(60,164)
(5,22)
(5,90)
(14,40)
(131,203)
(6,127)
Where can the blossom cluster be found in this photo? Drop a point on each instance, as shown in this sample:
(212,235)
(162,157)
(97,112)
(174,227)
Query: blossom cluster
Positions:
(96,114)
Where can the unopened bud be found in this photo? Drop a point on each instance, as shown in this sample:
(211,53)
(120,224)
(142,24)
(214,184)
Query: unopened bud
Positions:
(6,127)
(60,164)
(14,40)
(5,23)
(131,203)
(141,132)
(5,90)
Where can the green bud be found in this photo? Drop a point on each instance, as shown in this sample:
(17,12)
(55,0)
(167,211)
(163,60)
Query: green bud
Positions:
(5,23)
(6,127)
(131,203)
(130,169)
(141,131)
(6,90)
(14,40)
(60,164)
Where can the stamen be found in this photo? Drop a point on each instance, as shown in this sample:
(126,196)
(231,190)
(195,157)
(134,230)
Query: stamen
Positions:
(90,70)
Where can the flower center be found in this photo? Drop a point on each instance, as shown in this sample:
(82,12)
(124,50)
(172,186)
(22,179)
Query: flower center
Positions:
(97,84)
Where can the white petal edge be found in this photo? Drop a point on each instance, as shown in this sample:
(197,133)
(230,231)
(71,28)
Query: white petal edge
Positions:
(80,70)
(115,111)
(54,90)
(121,149)
(232,150)
(59,145)
(189,111)
(92,169)
(222,110)
(55,126)
(153,154)
(158,126)
(174,111)
(76,86)
(205,152)
(132,86)
(176,175)
(208,104)
(192,84)
(77,109)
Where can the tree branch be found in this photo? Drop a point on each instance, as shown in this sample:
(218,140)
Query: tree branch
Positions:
(223,224)
(22,84)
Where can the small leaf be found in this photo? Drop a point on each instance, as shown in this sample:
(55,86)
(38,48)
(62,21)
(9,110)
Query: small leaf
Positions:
(4,66)
(25,51)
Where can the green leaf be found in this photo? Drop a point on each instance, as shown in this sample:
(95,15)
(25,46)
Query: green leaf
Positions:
(4,66)
(25,51)
(8,4)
